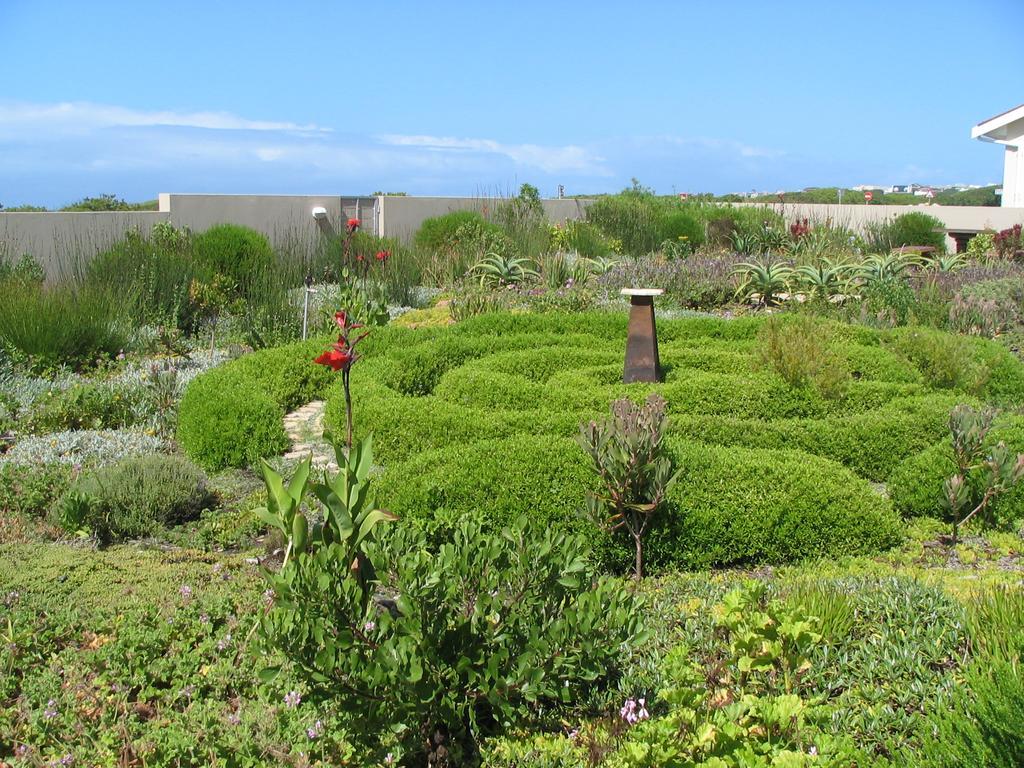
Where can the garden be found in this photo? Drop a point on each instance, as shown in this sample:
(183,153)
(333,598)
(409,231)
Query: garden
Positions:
(385,503)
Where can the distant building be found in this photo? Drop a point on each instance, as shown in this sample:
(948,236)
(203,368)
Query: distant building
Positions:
(1007,129)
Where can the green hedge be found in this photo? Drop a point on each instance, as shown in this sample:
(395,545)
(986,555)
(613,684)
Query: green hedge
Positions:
(233,415)
(870,444)
(537,475)
(480,417)
(915,485)
(729,506)
(739,506)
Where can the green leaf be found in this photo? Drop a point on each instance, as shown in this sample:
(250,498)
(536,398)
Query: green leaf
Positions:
(270,518)
(415,670)
(297,486)
(371,520)
(269,674)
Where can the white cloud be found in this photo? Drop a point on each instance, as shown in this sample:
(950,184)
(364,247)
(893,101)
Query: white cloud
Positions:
(70,148)
(83,115)
(565,159)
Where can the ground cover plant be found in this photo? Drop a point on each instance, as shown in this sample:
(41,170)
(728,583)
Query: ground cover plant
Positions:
(134,652)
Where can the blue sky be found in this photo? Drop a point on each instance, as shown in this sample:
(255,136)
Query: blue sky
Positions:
(451,98)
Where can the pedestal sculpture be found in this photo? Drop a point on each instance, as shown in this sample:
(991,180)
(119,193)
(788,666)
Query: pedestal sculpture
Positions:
(642,362)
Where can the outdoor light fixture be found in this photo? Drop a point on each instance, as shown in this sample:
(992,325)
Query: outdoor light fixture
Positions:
(319,213)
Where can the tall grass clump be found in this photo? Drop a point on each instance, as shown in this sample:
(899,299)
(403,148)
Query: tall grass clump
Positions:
(523,220)
(62,325)
(151,276)
(631,218)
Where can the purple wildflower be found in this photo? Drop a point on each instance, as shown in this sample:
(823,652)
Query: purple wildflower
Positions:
(314,732)
(632,713)
(51,710)
(369,626)
(185,591)
(292,699)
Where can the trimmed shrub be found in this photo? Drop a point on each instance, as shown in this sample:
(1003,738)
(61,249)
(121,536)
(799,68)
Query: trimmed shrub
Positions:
(977,366)
(231,416)
(223,427)
(137,496)
(735,506)
(915,485)
(539,476)
(729,506)
(240,253)
(871,444)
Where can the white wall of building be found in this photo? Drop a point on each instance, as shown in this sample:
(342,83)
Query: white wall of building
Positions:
(1013,177)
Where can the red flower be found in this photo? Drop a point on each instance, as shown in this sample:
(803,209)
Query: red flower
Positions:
(360,257)
(336,358)
(342,319)
(353,225)
(383,256)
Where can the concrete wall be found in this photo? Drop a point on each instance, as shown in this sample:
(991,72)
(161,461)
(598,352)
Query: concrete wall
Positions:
(958,217)
(59,240)
(400,217)
(286,219)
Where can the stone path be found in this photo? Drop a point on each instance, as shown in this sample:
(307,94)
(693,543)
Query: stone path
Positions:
(305,428)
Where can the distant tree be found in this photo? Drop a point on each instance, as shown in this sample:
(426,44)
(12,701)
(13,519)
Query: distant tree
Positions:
(23,209)
(109,203)
(100,203)
(980,196)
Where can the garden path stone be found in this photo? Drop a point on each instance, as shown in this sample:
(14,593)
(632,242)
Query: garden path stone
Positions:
(305,429)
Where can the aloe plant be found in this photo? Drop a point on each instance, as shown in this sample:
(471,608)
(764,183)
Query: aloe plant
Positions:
(950,262)
(495,269)
(599,265)
(825,279)
(879,267)
(766,280)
